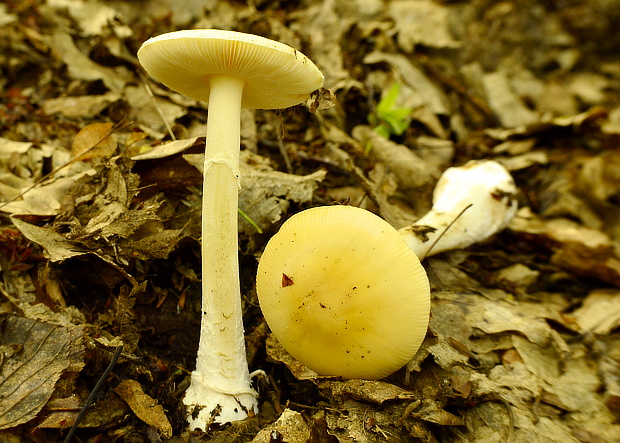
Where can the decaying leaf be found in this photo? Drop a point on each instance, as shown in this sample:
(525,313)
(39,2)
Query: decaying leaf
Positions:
(150,111)
(80,66)
(600,312)
(156,245)
(56,247)
(94,141)
(277,352)
(166,149)
(428,24)
(373,391)
(266,195)
(80,107)
(35,356)
(61,413)
(413,173)
(418,90)
(145,407)
(290,427)
(586,251)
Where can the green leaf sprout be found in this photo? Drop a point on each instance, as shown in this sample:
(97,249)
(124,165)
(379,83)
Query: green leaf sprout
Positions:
(388,119)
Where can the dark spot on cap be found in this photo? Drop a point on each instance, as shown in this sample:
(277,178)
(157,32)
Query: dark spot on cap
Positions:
(287,281)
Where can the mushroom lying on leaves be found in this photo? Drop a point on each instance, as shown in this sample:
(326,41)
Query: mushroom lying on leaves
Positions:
(470,204)
(343,293)
(230,70)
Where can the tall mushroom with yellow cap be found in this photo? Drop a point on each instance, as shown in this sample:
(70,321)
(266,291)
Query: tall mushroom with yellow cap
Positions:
(229,70)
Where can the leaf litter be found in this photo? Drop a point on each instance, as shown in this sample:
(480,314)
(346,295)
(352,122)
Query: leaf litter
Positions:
(100,225)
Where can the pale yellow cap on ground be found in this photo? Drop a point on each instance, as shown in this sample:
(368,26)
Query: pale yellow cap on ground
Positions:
(343,293)
(277,76)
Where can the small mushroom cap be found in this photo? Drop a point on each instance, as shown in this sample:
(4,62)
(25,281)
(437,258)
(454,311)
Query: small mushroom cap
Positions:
(277,76)
(343,293)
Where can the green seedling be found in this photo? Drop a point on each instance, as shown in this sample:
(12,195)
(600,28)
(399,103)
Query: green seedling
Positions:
(388,119)
(250,221)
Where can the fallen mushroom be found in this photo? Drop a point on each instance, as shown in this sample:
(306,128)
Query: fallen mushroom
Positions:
(470,204)
(343,293)
(230,70)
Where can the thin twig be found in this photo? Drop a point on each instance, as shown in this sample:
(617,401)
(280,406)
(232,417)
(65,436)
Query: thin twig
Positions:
(446,230)
(93,393)
(149,91)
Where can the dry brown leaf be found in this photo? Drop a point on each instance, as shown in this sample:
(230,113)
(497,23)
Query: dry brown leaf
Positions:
(35,354)
(496,316)
(427,24)
(432,412)
(412,172)
(265,196)
(61,412)
(56,247)
(276,352)
(505,101)
(104,412)
(290,427)
(157,245)
(519,275)
(80,107)
(326,27)
(373,391)
(9,148)
(167,149)
(44,199)
(94,141)
(150,111)
(583,250)
(362,423)
(380,185)
(600,312)
(145,407)
(93,17)
(80,66)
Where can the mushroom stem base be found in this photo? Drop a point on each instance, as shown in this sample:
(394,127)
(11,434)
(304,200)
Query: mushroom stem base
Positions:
(207,405)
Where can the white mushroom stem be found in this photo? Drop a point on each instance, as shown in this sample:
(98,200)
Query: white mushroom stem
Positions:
(220,389)
(470,204)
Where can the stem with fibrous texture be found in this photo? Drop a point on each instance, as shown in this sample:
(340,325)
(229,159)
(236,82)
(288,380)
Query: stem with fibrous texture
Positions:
(220,389)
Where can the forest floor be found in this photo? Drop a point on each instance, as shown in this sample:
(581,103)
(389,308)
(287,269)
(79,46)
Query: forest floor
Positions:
(100,216)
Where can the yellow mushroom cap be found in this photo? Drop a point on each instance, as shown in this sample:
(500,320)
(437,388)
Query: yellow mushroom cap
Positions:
(343,293)
(276,75)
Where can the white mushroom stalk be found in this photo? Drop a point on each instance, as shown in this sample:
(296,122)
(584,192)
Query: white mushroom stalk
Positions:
(230,70)
(470,204)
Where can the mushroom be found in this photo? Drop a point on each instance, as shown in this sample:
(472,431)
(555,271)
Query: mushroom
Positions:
(470,204)
(230,70)
(343,293)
